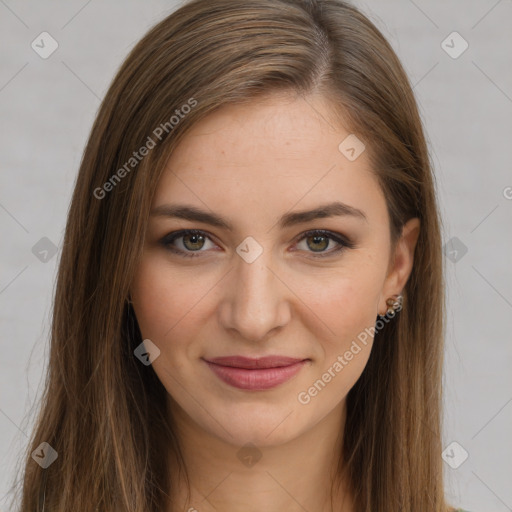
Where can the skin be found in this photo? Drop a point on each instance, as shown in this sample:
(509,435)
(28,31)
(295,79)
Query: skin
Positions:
(251,164)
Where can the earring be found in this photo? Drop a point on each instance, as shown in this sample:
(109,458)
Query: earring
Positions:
(394,304)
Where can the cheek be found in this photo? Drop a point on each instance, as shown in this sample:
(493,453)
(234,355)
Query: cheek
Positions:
(347,304)
(165,302)
(346,301)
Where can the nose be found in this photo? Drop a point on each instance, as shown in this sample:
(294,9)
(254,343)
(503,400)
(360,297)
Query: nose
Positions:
(256,301)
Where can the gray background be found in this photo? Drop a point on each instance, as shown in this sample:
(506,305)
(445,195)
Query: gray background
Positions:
(48,106)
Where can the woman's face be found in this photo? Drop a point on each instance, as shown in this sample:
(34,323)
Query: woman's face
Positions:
(255,280)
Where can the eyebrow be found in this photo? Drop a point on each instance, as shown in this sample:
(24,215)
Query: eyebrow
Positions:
(192,213)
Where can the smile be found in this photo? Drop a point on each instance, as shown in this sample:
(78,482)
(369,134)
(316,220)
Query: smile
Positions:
(255,374)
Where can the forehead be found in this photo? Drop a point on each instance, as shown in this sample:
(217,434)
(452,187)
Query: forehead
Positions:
(269,154)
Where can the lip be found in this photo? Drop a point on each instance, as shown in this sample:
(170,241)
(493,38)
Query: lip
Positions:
(255,374)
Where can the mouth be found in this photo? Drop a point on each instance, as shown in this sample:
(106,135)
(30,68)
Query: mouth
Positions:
(255,374)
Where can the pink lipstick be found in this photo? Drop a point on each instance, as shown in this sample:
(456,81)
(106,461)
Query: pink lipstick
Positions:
(255,374)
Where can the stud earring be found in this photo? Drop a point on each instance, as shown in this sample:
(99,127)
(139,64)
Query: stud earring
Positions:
(394,304)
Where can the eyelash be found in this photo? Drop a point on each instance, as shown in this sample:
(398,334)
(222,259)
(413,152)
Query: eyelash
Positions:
(344,243)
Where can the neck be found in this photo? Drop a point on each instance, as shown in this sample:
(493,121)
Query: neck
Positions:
(294,476)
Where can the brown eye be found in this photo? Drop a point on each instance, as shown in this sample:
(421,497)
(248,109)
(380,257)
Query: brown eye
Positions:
(193,241)
(317,243)
(187,242)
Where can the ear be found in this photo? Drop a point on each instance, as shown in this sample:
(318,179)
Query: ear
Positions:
(401,263)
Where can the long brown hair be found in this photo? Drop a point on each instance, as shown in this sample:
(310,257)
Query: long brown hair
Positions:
(103,411)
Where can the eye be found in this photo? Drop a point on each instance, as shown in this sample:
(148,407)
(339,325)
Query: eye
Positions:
(318,241)
(189,241)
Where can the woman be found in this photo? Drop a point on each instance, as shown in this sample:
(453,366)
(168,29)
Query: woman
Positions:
(249,310)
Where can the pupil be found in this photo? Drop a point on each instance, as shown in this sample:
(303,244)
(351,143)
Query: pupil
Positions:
(316,241)
(194,238)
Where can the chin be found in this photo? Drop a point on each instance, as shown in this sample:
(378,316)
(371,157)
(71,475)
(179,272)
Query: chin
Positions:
(262,425)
